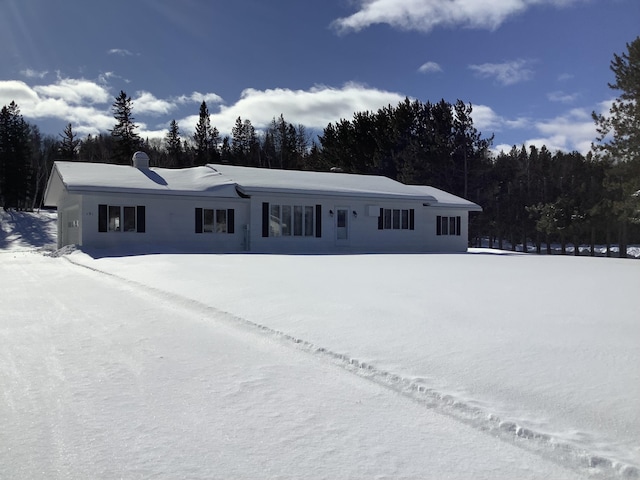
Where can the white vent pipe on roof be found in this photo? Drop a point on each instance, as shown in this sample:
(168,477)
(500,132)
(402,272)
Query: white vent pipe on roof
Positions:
(140,160)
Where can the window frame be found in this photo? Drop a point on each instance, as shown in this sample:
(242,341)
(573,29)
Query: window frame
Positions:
(291,220)
(448,225)
(214,220)
(396,219)
(121,218)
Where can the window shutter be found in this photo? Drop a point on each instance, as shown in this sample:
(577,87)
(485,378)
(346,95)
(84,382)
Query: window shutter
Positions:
(198,220)
(231,220)
(102,218)
(318,221)
(381,219)
(265,219)
(458,226)
(412,219)
(141,221)
(438,225)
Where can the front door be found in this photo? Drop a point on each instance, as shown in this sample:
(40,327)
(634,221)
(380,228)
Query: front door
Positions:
(342,225)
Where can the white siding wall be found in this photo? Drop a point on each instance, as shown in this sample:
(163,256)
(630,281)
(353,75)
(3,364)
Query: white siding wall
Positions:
(170,225)
(363,232)
(69,221)
(447,243)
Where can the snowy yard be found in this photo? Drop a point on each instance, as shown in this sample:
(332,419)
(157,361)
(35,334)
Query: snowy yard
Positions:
(480,365)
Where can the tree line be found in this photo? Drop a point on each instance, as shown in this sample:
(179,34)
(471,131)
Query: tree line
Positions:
(529,195)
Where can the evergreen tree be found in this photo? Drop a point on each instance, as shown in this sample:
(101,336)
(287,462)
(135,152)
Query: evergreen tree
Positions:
(15,158)
(124,132)
(242,135)
(619,132)
(618,141)
(68,149)
(173,145)
(206,138)
(44,151)
(225,151)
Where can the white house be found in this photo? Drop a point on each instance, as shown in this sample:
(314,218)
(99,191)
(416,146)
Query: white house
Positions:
(222,208)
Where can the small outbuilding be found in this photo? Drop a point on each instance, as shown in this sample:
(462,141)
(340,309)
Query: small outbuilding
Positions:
(223,208)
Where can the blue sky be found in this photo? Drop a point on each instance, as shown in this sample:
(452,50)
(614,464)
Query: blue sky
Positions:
(533,70)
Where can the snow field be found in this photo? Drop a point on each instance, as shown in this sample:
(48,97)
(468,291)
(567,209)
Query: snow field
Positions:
(484,365)
(532,347)
(105,379)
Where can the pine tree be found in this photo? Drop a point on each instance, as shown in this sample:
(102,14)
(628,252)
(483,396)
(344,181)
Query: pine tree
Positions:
(619,132)
(618,141)
(245,148)
(124,132)
(15,158)
(206,138)
(69,144)
(173,144)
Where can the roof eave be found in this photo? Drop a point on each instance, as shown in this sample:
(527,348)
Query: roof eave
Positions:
(253,190)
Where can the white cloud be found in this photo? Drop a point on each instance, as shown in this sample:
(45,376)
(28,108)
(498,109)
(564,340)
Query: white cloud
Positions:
(425,15)
(507,73)
(87,105)
(314,108)
(146,102)
(430,67)
(16,91)
(123,52)
(197,97)
(564,77)
(574,130)
(76,91)
(30,73)
(562,97)
(485,119)
(576,126)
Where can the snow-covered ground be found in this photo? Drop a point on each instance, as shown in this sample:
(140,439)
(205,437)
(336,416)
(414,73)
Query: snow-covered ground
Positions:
(480,365)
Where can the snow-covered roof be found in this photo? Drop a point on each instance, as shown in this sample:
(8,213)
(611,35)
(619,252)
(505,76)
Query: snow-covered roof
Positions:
(445,199)
(262,180)
(226,181)
(80,177)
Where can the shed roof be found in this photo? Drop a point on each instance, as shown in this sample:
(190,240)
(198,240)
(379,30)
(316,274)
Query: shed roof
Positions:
(226,181)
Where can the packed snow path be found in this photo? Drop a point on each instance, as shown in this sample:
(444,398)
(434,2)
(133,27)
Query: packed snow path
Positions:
(102,379)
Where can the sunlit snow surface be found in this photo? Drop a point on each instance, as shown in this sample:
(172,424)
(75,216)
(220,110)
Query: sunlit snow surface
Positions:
(478,365)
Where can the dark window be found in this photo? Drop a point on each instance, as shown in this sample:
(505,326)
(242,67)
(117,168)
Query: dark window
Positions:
(265,219)
(448,225)
(210,220)
(231,220)
(308,221)
(198,220)
(116,218)
(129,215)
(291,220)
(142,219)
(102,218)
(396,219)
(318,221)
